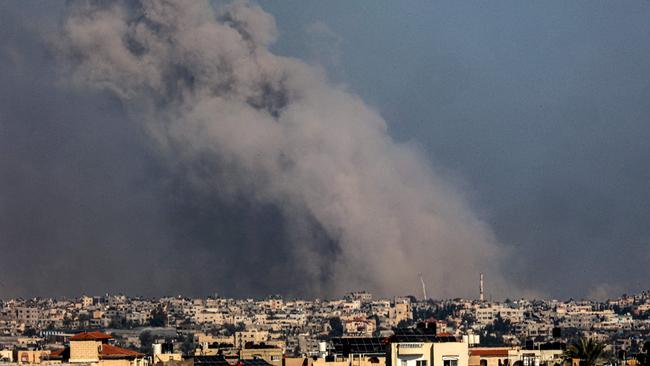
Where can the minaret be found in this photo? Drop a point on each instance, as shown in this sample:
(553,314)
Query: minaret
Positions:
(481,296)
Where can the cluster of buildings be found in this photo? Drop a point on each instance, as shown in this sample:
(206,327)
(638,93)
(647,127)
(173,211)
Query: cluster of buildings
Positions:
(357,330)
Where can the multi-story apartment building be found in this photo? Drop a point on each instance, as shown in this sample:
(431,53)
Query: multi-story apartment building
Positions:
(428,351)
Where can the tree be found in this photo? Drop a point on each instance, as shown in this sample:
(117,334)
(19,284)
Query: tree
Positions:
(443,312)
(501,325)
(230,329)
(187,347)
(644,357)
(493,333)
(586,350)
(146,340)
(405,323)
(336,327)
(158,317)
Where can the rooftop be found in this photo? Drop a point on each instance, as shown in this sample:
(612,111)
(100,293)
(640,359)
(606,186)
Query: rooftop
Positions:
(110,351)
(90,336)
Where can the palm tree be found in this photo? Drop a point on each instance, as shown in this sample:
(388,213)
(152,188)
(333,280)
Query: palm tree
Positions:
(644,357)
(586,350)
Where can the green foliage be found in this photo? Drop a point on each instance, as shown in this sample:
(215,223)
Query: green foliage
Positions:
(493,333)
(500,326)
(644,357)
(187,345)
(405,323)
(146,340)
(491,340)
(336,327)
(158,317)
(586,350)
(468,319)
(230,329)
(440,312)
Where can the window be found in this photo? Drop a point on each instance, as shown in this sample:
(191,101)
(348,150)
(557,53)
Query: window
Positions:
(421,363)
(450,362)
(403,363)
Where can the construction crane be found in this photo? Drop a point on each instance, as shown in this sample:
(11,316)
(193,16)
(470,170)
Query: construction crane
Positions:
(424,287)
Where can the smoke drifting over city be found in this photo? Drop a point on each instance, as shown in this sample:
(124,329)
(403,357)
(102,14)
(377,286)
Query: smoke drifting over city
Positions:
(162,147)
(361,211)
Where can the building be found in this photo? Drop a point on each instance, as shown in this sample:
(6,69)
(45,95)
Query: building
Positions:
(489,356)
(503,356)
(359,327)
(401,312)
(28,315)
(252,336)
(355,351)
(164,353)
(93,348)
(32,356)
(271,354)
(422,347)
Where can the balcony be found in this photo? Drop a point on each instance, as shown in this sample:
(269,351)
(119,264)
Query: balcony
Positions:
(405,349)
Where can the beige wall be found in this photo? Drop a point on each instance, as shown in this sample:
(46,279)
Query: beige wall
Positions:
(31,356)
(84,351)
(298,361)
(117,362)
(321,362)
(458,350)
(432,354)
(536,356)
(351,361)
(166,357)
(241,338)
(7,354)
(123,362)
(270,355)
(491,360)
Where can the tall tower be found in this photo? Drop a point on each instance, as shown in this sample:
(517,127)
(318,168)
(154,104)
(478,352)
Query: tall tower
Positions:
(481,296)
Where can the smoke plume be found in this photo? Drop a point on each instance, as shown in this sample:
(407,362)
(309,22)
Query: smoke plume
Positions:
(245,125)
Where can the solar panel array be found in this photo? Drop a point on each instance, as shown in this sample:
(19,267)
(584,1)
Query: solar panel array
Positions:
(359,345)
(210,361)
(418,335)
(255,362)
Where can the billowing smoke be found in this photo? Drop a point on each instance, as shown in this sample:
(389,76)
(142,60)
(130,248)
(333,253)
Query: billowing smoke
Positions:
(244,124)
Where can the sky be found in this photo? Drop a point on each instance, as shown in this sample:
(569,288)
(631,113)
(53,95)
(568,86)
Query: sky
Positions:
(532,117)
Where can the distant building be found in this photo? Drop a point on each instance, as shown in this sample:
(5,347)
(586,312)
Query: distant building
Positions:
(92,348)
(359,327)
(270,354)
(252,336)
(362,296)
(32,356)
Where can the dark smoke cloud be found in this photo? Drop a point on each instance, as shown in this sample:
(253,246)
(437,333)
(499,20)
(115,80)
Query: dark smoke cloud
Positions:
(168,150)
(86,205)
(541,106)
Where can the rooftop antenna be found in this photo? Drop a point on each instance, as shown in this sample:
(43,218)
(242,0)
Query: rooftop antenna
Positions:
(424,287)
(481,295)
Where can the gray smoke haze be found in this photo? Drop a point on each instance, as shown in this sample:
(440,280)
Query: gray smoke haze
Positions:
(116,175)
(240,124)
